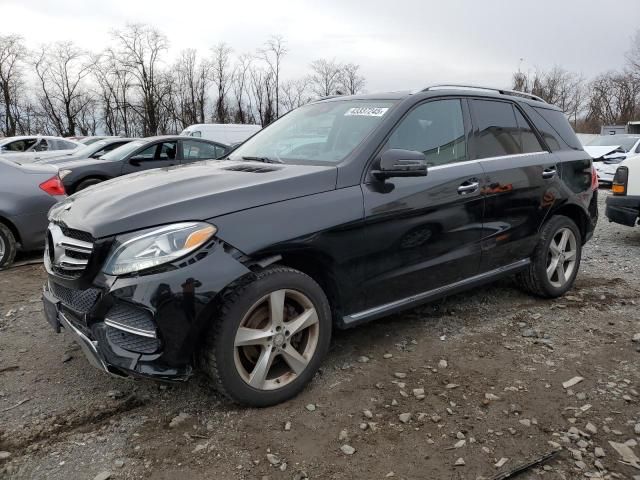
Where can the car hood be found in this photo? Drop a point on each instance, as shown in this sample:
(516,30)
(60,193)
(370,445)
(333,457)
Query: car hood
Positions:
(199,191)
(597,151)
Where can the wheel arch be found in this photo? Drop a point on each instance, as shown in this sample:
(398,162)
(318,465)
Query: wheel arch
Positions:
(312,263)
(576,213)
(100,177)
(16,234)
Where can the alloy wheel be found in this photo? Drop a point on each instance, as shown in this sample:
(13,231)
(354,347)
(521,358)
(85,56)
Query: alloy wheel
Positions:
(276,339)
(562,257)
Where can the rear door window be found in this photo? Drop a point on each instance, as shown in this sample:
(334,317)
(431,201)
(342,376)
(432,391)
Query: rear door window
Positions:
(195,150)
(528,138)
(560,125)
(497,133)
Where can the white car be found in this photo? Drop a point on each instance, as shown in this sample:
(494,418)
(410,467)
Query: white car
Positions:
(623,205)
(226,133)
(35,143)
(608,151)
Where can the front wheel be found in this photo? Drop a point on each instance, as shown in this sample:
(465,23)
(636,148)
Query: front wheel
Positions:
(269,338)
(556,260)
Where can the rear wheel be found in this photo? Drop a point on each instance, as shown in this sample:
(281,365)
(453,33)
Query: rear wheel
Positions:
(269,339)
(555,263)
(8,246)
(86,183)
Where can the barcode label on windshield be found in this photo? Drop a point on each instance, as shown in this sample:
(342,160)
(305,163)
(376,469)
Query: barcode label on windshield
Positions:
(366,112)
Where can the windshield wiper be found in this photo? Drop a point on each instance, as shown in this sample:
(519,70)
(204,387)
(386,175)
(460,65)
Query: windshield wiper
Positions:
(263,159)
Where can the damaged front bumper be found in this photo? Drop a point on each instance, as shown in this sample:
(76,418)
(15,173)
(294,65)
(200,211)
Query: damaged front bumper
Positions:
(142,325)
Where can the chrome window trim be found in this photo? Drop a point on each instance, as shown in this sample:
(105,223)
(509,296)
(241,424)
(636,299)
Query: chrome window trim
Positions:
(489,159)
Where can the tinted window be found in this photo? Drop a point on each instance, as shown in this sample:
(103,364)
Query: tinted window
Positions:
(194,150)
(560,125)
(158,151)
(167,151)
(528,138)
(497,132)
(435,129)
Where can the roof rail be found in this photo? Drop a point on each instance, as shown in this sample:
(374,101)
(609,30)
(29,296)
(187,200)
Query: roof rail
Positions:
(502,91)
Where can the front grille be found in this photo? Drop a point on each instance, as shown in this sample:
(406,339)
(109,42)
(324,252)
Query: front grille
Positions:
(77,234)
(68,250)
(78,300)
(131,342)
(128,316)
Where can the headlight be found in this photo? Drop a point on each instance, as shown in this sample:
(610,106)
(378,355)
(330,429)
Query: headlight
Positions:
(147,248)
(63,173)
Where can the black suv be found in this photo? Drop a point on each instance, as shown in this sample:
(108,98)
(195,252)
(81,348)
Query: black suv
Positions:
(342,211)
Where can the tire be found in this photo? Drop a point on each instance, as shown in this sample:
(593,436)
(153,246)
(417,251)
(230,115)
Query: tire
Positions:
(540,278)
(231,357)
(86,183)
(8,246)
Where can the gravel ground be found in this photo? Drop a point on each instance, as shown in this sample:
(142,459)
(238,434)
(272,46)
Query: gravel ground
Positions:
(468,387)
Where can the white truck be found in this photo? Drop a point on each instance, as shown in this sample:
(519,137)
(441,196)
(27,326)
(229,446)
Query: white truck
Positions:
(226,133)
(623,206)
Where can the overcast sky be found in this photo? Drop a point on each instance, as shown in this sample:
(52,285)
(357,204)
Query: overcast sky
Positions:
(400,44)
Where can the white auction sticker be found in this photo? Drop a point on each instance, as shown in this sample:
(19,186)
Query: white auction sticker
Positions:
(366,111)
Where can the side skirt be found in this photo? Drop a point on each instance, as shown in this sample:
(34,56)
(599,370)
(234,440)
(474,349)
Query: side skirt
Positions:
(364,316)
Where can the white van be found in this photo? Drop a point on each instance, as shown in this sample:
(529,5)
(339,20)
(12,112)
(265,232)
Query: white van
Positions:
(227,133)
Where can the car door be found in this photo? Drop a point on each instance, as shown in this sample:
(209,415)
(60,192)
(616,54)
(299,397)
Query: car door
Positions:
(160,154)
(422,233)
(520,178)
(195,150)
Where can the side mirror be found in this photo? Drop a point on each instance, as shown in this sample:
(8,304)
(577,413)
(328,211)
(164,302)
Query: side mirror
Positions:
(396,162)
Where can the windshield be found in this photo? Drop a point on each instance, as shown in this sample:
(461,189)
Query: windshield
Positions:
(121,152)
(88,150)
(320,132)
(626,143)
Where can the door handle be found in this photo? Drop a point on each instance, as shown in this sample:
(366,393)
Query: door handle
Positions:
(468,187)
(549,172)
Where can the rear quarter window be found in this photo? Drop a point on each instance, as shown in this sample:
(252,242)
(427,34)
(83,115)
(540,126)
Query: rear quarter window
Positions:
(560,125)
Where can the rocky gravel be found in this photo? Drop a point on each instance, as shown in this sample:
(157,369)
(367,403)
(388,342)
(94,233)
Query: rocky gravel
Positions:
(472,387)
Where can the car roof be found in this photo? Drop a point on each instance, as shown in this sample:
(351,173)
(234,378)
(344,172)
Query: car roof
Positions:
(447,90)
(178,137)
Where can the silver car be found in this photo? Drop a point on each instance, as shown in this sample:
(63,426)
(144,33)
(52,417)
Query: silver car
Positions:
(28,192)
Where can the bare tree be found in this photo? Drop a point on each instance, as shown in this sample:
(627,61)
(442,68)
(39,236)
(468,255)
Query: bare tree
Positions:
(351,82)
(12,55)
(614,98)
(557,86)
(140,48)
(193,79)
(272,53)
(116,85)
(222,76)
(295,93)
(241,90)
(61,69)
(325,78)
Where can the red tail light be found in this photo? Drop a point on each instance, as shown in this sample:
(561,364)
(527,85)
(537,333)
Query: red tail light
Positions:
(53,186)
(594,178)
